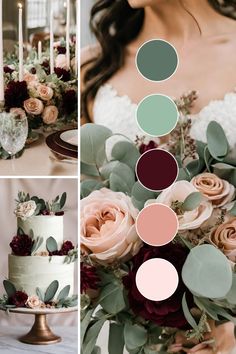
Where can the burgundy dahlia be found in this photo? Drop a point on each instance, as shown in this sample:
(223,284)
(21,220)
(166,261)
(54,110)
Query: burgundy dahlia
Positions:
(168,312)
(66,247)
(15,94)
(18,299)
(88,278)
(8,70)
(33,71)
(62,74)
(21,245)
(145,147)
(46,66)
(69,101)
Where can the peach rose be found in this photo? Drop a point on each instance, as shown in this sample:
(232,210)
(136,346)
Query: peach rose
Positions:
(33,106)
(61,62)
(50,114)
(108,226)
(30,78)
(188,220)
(33,302)
(18,112)
(224,238)
(44,92)
(215,189)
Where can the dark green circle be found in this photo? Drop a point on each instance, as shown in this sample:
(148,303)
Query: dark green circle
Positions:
(157,60)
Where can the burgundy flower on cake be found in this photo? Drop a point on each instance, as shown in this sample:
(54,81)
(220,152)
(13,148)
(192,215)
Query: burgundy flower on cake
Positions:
(15,94)
(168,312)
(66,247)
(62,74)
(88,278)
(21,245)
(18,299)
(145,147)
(69,101)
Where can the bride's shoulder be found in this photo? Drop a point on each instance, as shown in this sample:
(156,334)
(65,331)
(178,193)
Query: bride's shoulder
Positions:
(89,53)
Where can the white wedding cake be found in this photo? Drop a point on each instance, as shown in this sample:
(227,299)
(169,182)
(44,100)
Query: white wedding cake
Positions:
(41,263)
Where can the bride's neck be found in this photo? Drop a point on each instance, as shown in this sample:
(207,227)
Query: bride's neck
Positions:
(178,21)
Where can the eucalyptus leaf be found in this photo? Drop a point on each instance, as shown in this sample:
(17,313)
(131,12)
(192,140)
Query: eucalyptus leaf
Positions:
(64,293)
(93,138)
(88,170)
(96,350)
(122,178)
(231,296)
(20,231)
(183,175)
(40,294)
(51,244)
(37,210)
(192,201)
(135,336)
(116,339)
(63,200)
(107,169)
(207,272)
(88,186)
(9,287)
(51,291)
(126,152)
(187,313)
(37,243)
(91,336)
(112,298)
(85,323)
(140,195)
(232,211)
(216,140)
(225,171)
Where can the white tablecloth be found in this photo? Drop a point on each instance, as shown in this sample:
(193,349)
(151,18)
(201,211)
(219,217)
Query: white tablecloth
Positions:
(36,161)
(9,343)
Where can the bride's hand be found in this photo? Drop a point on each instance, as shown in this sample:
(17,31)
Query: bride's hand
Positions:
(224,341)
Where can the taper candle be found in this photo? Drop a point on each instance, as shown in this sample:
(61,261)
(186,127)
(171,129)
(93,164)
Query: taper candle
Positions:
(21,51)
(39,50)
(1,58)
(51,43)
(68,34)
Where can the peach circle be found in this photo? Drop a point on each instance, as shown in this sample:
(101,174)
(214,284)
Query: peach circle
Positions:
(157,224)
(157,279)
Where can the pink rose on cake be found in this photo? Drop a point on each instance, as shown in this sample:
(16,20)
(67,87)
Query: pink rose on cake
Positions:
(33,302)
(224,238)
(177,193)
(45,92)
(25,210)
(108,231)
(215,189)
(33,106)
(50,114)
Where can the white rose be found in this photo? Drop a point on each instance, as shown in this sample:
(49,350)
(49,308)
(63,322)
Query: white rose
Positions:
(61,62)
(25,210)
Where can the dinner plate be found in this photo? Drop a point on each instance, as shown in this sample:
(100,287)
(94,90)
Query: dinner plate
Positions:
(70,137)
(63,144)
(59,150)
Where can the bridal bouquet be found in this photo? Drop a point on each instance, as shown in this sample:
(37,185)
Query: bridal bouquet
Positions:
(203,252)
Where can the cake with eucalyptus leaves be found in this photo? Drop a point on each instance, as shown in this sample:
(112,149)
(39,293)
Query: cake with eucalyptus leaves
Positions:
(41,264)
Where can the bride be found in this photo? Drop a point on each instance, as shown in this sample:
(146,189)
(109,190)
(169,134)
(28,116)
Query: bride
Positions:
(204,35)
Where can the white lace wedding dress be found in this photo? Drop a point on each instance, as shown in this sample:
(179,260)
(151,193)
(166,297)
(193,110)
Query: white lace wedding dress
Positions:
(118,113)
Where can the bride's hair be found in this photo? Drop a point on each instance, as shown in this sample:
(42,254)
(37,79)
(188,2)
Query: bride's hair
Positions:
(115,24)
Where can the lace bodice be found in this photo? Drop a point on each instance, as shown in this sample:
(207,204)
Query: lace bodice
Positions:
(118,113)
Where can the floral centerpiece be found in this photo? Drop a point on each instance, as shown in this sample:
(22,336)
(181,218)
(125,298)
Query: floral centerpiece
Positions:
(48,100)
(203,252)
(28,245)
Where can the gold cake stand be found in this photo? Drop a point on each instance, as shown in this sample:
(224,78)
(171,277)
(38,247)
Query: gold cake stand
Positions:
(40,333)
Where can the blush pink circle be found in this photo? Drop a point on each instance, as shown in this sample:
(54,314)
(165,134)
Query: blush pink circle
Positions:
(157,279)
(157,224)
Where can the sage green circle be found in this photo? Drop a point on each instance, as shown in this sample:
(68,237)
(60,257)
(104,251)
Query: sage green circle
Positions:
(157,60)
(157,115)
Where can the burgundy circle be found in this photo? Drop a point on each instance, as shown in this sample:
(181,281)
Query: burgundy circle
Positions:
(157,169)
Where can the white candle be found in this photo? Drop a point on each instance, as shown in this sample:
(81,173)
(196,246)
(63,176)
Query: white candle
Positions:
(51,43)
(77,38)
(68,34)
(1,58)
(21,52)
(39,50)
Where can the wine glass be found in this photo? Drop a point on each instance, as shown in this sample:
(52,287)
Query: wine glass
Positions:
(13,132)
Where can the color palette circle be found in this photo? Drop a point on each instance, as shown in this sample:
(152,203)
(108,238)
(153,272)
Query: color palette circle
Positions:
(157,115)
(157,224)
(157,60)
(151,279)
(157,169)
